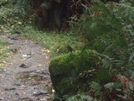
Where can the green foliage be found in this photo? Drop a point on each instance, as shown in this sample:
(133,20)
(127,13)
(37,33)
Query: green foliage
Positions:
(2,42)
(21,6)
(56,43)
(3,48)
(3,3)
(69,72)
(108,29)
(3,51)
(80,98)
(107,32)
(13,14)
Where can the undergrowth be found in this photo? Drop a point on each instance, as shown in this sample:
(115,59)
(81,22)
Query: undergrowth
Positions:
(55,42)
(109,29)
(4,49)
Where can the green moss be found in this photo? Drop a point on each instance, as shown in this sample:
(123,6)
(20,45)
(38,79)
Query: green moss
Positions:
(62,48)
(73,70)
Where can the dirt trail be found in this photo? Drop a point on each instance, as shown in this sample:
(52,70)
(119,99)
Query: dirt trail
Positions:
(26,76)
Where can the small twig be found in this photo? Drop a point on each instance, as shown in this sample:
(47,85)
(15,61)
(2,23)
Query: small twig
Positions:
(103,56)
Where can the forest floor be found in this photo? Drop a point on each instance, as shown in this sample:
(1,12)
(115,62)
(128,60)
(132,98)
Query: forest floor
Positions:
(25,76)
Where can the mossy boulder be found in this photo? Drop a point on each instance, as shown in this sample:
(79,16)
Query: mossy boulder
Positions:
(71,72)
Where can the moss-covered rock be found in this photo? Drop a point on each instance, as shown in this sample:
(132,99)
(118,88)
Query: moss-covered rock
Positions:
(71,72)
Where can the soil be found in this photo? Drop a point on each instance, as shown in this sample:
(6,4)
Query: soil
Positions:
(25,77)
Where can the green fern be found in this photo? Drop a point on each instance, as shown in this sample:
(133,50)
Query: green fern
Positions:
(80,98)
(109,29)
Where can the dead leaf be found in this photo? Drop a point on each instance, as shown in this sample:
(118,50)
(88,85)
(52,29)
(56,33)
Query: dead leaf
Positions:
(124,81)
